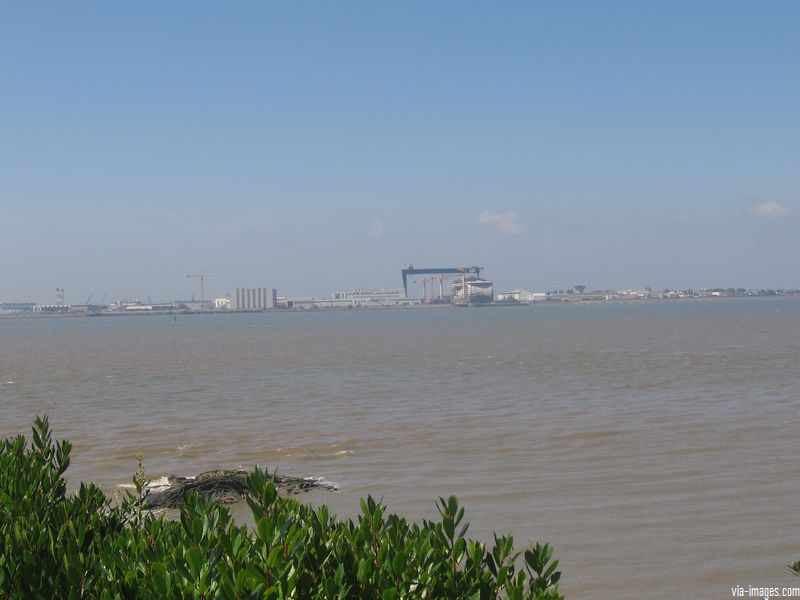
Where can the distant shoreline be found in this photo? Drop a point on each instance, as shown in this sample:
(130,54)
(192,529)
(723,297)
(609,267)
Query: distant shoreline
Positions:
(550,302)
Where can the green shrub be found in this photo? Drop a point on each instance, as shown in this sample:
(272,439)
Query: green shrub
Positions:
(84,546)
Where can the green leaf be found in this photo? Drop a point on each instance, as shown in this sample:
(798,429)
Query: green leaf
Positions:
(256,574)
(364,570)
(194,559)
(390,594)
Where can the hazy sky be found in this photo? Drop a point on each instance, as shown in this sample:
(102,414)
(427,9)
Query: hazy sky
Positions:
(319,146)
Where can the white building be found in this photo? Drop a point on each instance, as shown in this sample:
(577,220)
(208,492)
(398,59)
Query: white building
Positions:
(522,296)
(137,306)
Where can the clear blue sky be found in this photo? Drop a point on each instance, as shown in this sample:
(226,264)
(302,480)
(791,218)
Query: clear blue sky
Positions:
(318,146)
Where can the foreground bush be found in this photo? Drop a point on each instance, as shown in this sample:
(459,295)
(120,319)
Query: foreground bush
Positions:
(83,546)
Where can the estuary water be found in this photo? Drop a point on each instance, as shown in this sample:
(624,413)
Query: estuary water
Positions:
(654,444)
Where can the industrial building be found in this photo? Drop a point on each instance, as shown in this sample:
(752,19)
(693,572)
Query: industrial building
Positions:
(382,297)
(253,298)
(359,298)
(16,307)
(137,306)
(522,296)
(311,303)
(51,308)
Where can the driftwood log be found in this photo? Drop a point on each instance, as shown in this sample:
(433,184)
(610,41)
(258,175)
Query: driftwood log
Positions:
(223,487)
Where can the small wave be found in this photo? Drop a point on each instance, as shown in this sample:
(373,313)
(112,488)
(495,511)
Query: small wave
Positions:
(159,484)
(186,450)
(329,485)
(314,452)
(10,382)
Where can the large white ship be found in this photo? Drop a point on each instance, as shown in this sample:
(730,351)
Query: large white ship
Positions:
(479,291)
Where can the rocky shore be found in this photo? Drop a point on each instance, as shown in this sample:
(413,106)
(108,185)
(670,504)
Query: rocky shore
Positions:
(223,487)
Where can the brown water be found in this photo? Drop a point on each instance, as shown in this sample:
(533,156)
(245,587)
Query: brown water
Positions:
(654,444)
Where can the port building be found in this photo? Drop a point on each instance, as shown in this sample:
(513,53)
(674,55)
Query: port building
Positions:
(12,307)
(359,298)
(253,298)
(51,308)
(522,296)
(383,297)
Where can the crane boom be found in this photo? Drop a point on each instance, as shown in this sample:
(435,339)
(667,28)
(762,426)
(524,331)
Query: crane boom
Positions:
(202,278)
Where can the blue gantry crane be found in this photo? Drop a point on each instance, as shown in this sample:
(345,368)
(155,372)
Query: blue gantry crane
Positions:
(412,270)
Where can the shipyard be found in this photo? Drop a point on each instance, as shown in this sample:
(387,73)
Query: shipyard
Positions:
(399,300)
(422,287)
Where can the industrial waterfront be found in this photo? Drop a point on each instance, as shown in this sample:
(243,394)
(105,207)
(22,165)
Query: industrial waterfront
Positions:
(643,439)
(422,287)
